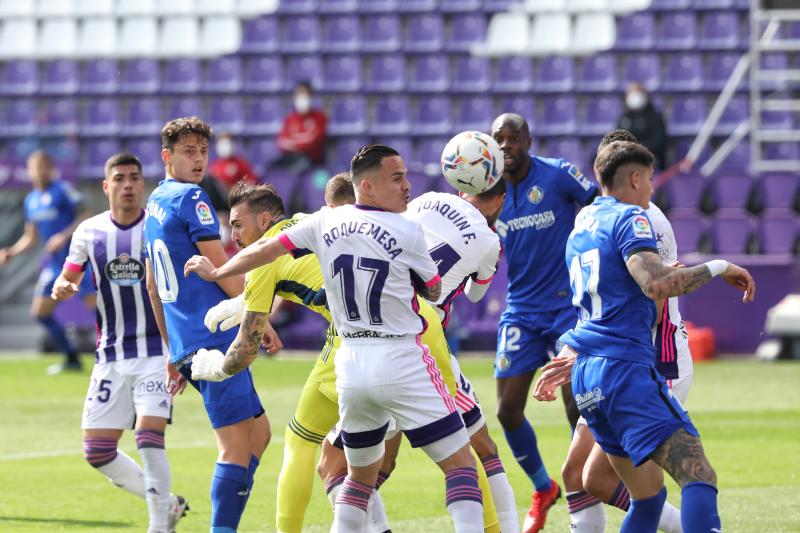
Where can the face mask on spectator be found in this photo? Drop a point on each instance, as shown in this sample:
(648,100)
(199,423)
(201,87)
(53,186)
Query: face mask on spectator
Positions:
(224,148)
(302,103)
(636,100)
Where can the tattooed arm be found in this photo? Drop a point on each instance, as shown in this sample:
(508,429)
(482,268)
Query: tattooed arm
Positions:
(244,349)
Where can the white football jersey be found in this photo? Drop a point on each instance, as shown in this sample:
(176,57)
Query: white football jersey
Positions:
(674,349)
(461,243)
(371,260)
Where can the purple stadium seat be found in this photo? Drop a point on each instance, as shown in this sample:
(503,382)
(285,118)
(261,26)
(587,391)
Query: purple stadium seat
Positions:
(778,190)
(60,118)
(465,31)
(459,6)
(677,31)
(737,111)
(523,106)
(19,118)
(720,31)
(433,116)
(59,76)
(598,73)
(475,113)
(731,191)
(712,4)
(341,34)
(420,183)
(304,68)
(687,115)
(288,186)
(555,74)
(143,116)
(264,116)
(777,120)
(378,6)
(381,33)
(261,35)
(782,151)
(181,76)
(567,148)
(602,113)
(684,73)
(417,6)
(342,73)
(187,107)
(140,76)
(777,231)
(558,116)
(719,69)
(223,75)
(669,5)
(297,6)
(226,115)
(99,76)
(775,61)
(685,191)
(430,73)
(148,150)
(263,74)
(94,156)
(473,74)
(424,33)
(338,6)
(20,77)
(494,302)
(300,35)
(644,69)
(636,31)
(101,117)
(349,116)
(65,153)
(690,227)
(386,74)
(391,116)
(513,74)
(260,151)
(404,145)
(731,230)
(738,159)
(343,151)
(429,156)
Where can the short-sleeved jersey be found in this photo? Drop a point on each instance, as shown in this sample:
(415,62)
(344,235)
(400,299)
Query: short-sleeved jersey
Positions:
(51,211)
(126,326)
(615,318)
(179,215)
(460,242)
(371,261)
(298,280)
(537,215)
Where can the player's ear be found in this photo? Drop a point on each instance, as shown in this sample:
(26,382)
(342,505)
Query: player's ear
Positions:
(105,186)
(264,220)
(166,156)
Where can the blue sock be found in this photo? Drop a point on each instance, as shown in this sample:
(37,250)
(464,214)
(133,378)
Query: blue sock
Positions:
(522,442)
(229,492)
(643,515)
(59,335)
(699,508)
(251,473)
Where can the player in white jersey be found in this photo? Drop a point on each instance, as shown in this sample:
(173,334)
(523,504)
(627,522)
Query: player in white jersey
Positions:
(373,261)
(128,379)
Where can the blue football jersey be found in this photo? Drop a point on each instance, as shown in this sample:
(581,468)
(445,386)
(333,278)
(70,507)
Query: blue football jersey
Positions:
(51,211)
(534,223)
(178,215)
(615,318)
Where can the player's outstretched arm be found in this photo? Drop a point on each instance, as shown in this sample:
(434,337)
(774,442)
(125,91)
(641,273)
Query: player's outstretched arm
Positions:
(554,374)
(66,285)
(215,253)
(259,253)
(26,241)
(659,281)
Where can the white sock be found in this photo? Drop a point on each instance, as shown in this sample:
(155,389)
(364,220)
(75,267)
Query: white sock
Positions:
(377,521)
(588,520)
(348,518)
(332,495)
(467,516)
(503,496)
(670,521)
(157,479)
(125,473)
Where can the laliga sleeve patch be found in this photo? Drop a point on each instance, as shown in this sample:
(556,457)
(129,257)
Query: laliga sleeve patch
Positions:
(577,175)
(641,227)
(203,213)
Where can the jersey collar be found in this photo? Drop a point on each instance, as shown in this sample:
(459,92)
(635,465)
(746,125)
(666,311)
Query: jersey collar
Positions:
(124,227)
(366,207)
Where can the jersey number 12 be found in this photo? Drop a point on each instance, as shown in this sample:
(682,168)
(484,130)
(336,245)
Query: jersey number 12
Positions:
(583,286)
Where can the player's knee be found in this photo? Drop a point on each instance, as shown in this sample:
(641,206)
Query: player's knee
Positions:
(483,444)
(99,451)
(594,485)
(572,475)
(509,416)
(700,471)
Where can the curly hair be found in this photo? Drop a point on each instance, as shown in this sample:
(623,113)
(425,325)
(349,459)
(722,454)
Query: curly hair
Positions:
(178,127)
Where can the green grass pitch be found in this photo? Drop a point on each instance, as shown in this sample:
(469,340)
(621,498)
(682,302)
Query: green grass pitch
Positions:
(748,414)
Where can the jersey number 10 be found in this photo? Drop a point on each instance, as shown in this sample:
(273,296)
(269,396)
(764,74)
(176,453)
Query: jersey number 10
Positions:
(164,272)
(591,307)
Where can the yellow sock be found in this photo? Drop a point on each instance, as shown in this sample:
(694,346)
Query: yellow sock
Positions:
(295,482)
(490,522)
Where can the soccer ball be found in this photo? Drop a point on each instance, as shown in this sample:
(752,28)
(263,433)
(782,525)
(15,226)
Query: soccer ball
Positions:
(472,162)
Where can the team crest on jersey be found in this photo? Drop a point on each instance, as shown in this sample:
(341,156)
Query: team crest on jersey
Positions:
(535,195)
(503,361)
(203,213)
(641,227)
(124,270)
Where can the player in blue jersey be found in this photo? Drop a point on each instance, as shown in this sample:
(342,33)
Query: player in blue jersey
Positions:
(616,274)
(534,223)
(53,209)
(181,223)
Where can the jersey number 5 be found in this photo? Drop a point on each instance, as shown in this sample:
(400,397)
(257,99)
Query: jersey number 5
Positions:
(378,269)
(164,272)
(583,286)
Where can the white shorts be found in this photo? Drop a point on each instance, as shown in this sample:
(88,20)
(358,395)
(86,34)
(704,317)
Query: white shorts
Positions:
(467,400)
(383,379)
(122,390)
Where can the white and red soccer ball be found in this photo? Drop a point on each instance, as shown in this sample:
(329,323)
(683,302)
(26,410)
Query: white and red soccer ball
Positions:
(472,162)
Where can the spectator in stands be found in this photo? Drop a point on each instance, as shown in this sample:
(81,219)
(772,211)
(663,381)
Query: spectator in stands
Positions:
(302,137)
(645,122)
(229,167)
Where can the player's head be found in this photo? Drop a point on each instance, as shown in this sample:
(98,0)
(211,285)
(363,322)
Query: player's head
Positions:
(123,183)
(40,169)
(379,178)
(303,93)
(625,170)
(514,137)
(184,148)
(616,135)
(339,190)
(488,202)
(254,209)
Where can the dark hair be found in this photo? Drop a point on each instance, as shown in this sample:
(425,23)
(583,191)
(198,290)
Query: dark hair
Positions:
(368,158)
(617,135)
(616,155)
(339,190)
(305,84)
(123,158)
(259,198)
(178,127)
(498,189)
(41,154)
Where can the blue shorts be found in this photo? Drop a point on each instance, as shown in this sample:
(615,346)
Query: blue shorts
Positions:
(526,340)
(628,406)
(230,401)
(47,278)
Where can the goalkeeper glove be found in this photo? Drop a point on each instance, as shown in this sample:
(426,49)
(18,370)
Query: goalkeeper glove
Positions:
(225,315)
(207,365)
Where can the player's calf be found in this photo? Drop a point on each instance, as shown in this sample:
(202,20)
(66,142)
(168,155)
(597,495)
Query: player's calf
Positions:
(101,453)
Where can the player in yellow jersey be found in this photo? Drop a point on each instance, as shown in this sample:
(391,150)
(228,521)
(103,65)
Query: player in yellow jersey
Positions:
(256,212)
